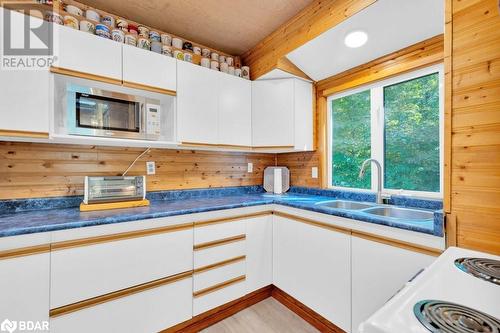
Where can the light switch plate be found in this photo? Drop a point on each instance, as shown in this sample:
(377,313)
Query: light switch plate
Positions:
(250,167)
(314,172)
(150,168)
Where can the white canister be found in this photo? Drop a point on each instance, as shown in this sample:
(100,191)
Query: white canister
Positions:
(74,10)
(222,58)
(143,31)
(156,46)
(237,72)
(87,26)
(245,72)
(166,50)
(278,181)
(71,21)
(197,50)
(143,43)
(224,67)
(214,56)
(102,30)
(178,55)
(188,57)
(214,65)
(177,43)
(230,61)
(91,14)
(122,24)
(154,36)
(230,70)
(166,39)
(118,35)
(205,53)
(205,62)
(53,17)
(108,20)
(131,39)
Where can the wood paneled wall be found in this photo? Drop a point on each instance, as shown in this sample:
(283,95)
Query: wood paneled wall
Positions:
(425,53)
(46,170)
(312,21)
(473,35)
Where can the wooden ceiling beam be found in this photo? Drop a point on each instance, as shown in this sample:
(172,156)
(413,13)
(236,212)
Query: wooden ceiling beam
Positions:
(316,18)
(287,66)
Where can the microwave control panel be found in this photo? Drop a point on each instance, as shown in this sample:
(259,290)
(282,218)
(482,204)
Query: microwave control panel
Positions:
(153,119)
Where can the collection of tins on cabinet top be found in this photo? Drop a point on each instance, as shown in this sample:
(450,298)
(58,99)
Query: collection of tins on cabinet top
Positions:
(122,31)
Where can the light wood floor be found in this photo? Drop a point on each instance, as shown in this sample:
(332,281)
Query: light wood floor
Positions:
(266,316)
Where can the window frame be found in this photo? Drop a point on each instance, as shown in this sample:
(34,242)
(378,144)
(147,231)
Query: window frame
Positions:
(377,127)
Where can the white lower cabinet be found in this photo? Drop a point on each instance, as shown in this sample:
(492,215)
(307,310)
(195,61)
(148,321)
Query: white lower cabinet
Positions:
(259,252)
(149,311)
(312,264)
(24,288)
(378,272)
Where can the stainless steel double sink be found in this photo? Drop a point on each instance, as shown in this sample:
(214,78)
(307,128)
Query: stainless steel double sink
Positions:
(409,214)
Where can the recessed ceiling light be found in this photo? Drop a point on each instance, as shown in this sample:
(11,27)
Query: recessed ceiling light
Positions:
(356,39)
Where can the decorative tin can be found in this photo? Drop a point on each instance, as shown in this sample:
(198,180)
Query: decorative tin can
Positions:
(245,72)
(154,36)
(205,62)
(74,10)
(91,14)
(230,70)
(222,58)
(166,39)
(188,57)
(178,55)
(131,39)
(205,53)
(156,46)
(214,65)
(122,25)
(187,46)
(197,50)
(230,61)
(87,26)
(214,56)
(143,31)
(118,35)
(108,20)
(143,43)
(133,29)
(54,17)
(166,50)
(237,72)
(102,30)
(71,21)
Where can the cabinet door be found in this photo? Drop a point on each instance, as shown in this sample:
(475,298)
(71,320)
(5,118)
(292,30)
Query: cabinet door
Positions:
(235,110)
(86,53)
(303,115)
(379,270)
(197,103)
(259,258)
(312,264)
(24,288)
(149,68)
(24,105)
(273,112)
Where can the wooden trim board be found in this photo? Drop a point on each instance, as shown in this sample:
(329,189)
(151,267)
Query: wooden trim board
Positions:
(149,88)
(219,264)
(205,223)
(70,72)
(219,242)
(66,309)
(219,286)
(113,205)
(24,251)
(24,134)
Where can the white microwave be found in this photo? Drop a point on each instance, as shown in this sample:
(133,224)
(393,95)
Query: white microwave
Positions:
(91,108)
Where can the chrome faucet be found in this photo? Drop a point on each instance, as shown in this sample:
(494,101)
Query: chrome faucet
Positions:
(379,176)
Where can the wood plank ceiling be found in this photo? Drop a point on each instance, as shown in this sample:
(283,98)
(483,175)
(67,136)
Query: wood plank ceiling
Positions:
(228,25)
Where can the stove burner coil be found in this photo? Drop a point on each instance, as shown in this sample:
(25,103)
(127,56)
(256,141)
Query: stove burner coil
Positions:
(486,269)
(446,317)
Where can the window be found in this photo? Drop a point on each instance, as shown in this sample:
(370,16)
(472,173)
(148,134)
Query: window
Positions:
(398,123)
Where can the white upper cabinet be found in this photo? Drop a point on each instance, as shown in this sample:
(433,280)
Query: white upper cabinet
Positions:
(148,68)
(235,110)
(197,104)
(282,114)
(24,105)
(87,53)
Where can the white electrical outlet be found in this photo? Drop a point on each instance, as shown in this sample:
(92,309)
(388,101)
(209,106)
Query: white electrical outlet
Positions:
(250,167)
(314,172)
(150,168)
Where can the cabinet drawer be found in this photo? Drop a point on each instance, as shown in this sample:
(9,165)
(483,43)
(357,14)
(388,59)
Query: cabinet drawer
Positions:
(212,277)
(83,272)
(148,311)
(218,231)
(215,254)
(226,292)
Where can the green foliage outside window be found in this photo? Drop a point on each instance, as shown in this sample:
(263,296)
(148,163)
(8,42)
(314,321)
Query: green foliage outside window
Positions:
(351,139)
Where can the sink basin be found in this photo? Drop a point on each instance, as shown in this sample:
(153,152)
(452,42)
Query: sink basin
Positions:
(342,204)
(401,213)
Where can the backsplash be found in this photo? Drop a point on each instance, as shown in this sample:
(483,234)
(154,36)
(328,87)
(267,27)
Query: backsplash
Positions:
(34,170)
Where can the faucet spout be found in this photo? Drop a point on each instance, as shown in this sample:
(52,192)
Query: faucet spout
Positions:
(379,176)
